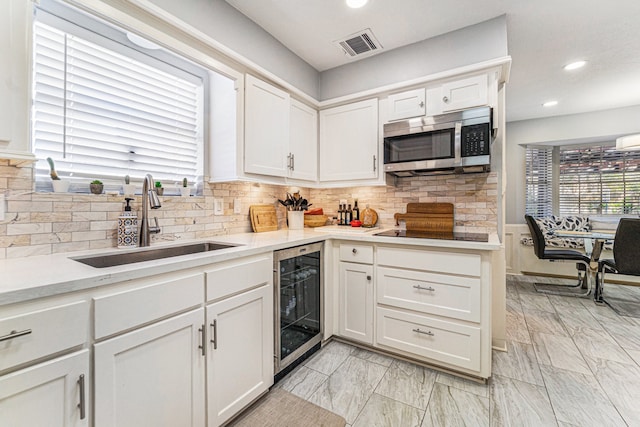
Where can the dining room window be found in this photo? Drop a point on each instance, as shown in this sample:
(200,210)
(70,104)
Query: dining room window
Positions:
(584,180)
(104,110)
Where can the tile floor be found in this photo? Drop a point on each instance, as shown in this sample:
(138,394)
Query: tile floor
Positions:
(570,363)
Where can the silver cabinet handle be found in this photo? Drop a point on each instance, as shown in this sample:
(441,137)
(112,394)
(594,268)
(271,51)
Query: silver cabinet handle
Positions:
(82,405)
(445,99)
(14,334)
(422,288)
(374,163)
(421,105)
(202,333)
(293,162)
(423,332)
(289,161)
(354,251)
(214,340)
(368,277)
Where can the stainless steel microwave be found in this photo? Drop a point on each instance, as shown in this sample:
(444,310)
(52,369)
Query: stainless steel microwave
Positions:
(446,143)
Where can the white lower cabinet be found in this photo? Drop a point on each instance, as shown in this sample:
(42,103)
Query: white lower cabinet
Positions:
(239,352)
(428,304)
(356,302)
(53,393)
(153,376)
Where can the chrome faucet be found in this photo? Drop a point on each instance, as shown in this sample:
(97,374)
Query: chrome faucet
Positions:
(149,199)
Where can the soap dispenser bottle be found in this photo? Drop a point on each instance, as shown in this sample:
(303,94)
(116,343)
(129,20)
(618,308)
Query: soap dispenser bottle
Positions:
(128,227)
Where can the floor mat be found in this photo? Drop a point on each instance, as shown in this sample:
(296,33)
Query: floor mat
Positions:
(279,408)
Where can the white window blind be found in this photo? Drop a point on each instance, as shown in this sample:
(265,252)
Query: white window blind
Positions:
(539,184)
(599,180)
(103,115)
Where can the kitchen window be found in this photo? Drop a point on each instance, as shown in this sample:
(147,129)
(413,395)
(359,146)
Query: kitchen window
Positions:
(584,180)
(104,110)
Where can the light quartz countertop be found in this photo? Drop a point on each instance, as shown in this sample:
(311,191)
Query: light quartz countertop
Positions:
(23,279)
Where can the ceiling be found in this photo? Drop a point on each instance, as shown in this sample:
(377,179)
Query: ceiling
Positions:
(543,36)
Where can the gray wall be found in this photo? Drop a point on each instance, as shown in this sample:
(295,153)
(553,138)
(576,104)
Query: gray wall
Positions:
(575,128)
(469,45)
(223,23)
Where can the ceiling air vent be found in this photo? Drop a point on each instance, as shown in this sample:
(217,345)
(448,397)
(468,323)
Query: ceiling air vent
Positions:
(359,43)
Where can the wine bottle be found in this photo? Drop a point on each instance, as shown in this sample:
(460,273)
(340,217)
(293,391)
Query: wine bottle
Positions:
(340,215)
(356,211)
(349,215)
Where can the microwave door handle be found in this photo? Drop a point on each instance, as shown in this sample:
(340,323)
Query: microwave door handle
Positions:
(457,145)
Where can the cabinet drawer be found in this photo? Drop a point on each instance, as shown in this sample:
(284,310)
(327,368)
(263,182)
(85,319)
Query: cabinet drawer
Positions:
(46,332)
(231,277)
(444,295)
(448,342)
(438,261)
(121,311)
(356,253)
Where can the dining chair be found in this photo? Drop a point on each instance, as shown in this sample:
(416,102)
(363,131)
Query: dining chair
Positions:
(583,288)
(626,256)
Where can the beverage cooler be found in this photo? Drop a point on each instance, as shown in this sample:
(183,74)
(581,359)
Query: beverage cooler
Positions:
(298,305)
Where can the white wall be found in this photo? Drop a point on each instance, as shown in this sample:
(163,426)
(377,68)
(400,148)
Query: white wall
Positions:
(587,127)
(220,21)
(469,45)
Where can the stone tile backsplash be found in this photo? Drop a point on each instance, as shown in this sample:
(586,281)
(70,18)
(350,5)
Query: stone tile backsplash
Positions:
(44,223)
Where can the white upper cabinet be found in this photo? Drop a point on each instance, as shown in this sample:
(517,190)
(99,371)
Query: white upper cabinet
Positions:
(407,104)
(266,135)
(349,142)
(303,142)
(15,49)
(458,94)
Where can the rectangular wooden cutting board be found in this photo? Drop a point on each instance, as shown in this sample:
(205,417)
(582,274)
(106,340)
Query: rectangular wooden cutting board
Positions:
(429,217)
(263,218)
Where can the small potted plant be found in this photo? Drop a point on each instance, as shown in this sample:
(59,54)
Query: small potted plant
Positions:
(59,185)
(96,186)
(128,189)
(185,191)
(159,188)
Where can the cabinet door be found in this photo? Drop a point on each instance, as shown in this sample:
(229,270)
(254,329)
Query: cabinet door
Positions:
(15,40)
(349,142)
(153,376)
(466,93)
(303,142)
(54,393)
(356,302)
(240,352)
(266,135)
(407,104)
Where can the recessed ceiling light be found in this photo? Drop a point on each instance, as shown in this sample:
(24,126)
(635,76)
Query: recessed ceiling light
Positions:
(575,65)
(355,4)
(550,104)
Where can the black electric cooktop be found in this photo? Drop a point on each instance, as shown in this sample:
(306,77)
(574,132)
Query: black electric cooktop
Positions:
(466,237)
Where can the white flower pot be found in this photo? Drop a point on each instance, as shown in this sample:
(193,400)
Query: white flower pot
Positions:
(60,185)
(295,219)
(185,191)
(129,189)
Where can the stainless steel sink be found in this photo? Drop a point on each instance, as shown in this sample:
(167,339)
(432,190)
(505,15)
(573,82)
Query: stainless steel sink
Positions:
(113,259)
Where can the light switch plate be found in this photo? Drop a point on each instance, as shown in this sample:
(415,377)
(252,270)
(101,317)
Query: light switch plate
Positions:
(237,206)
(218,208)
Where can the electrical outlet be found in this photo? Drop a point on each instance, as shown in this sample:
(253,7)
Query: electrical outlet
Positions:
(218,207)
(237,206)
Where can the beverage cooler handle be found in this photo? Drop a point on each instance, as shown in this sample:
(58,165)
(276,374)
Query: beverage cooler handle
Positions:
(457,144)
